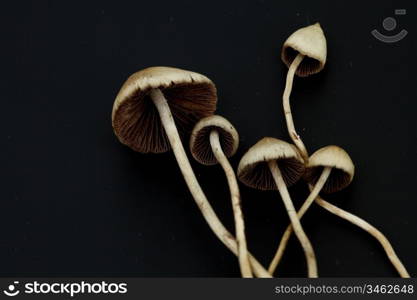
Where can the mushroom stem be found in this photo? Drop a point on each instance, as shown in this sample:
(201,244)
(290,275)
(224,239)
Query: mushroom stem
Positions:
(210,216)
(307,203)
(368,228)
(287,108)
(298,229)
(237,209)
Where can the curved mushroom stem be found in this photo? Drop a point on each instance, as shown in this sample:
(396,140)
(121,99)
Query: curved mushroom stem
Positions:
(368,228)
(287,108)
(192,183)
(298,229)
(287,234)
(237,209)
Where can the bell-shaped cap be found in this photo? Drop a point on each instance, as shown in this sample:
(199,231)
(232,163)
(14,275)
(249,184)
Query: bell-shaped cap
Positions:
(136,122)
(311,42)
(337,159)
(200,139)
(253,169)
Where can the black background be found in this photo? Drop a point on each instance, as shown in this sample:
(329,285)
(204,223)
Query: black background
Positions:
(75,202)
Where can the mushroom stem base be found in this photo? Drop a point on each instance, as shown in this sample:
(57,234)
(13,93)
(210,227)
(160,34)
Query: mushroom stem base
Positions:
(389,250)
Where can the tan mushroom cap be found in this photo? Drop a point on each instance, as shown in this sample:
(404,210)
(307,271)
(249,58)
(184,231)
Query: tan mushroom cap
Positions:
(200,139)
(135,119)
(338,159)
(311,42)
(253,169)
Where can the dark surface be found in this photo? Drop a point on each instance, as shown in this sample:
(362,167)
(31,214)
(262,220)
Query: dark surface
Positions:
(75,202)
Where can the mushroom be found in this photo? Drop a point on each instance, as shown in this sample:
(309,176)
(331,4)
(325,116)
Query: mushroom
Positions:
(304,53)
(212,141)
(273,164)
(147,110)
(330,169)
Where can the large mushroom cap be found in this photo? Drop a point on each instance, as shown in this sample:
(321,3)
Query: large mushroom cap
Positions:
(311,42)
(200,139)
(253,168)
(135,119)
(333,157)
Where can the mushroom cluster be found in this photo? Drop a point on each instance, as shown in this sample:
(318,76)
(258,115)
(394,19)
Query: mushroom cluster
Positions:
(329,169)
(158,108)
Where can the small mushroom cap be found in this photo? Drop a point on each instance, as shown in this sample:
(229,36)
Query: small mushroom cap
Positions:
(136,122)
(311,42)
(338,159)
(253,169)
(200,139)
